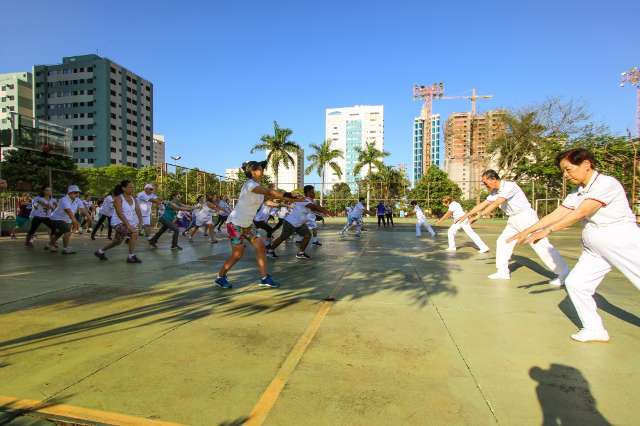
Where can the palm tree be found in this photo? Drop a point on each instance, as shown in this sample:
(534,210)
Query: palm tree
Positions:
(369,157)
(322,157)
(279,147)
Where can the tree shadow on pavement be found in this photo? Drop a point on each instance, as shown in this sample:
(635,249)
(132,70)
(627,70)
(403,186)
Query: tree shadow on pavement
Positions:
(565,397)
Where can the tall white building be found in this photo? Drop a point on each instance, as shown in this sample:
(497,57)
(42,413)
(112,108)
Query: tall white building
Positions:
(350,128)
(231,174)
(436,147)
(292,177)
(158,150)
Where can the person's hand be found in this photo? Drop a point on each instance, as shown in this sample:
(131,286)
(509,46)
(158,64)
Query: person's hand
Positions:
(537,236)
(75,226)
(462,218)
(520,237)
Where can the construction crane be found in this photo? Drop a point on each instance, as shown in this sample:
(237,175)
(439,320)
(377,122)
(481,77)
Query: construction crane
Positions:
(473,98)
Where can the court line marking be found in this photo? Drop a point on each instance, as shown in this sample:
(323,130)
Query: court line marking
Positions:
(69,412)
(270,396)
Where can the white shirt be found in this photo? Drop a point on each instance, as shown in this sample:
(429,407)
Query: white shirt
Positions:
(311,219)
(516,201)
(107,206)
(144,203)
(299,213)
(419,213)
(248,203)
(66,203)
(283,212)
(204,214)
(263,214)
(456,209)
(39,204)
(357,210)
(607,191)
(128,211)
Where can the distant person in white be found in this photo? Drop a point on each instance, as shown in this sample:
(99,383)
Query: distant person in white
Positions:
(126,221)
(146,199)
(422,220)
(354,217)
(64,219)
(511,199)
(42,207)
(106,212)
(610,237)
(455,210)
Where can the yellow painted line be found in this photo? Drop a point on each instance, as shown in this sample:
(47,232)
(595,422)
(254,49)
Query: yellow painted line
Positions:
(268,399)
(69,412)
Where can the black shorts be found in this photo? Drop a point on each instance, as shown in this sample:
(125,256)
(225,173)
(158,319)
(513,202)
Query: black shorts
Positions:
(288,229)
(60,227)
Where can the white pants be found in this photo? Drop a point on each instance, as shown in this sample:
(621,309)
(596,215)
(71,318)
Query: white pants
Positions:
(543,248)
(146,220)
(615,245)
(466,227)
(420,224)
(353,221)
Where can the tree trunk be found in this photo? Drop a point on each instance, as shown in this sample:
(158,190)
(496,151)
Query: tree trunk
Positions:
(369,189)
(275,178)
(322,188)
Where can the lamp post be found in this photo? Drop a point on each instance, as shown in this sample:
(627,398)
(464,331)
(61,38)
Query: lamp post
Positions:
(632,77)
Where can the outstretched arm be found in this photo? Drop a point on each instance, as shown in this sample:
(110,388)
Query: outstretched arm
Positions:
(473,211)
(549,219)
(446,216)
(587,208)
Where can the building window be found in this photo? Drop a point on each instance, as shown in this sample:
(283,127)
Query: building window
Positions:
(113,161)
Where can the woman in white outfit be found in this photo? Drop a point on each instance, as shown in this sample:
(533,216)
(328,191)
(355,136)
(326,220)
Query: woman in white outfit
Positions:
(455,210)
(509,197)
(422,220)
(610,237)
(126,221)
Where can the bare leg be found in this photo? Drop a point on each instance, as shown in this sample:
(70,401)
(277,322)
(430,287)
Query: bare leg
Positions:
(236,254)
(261,258)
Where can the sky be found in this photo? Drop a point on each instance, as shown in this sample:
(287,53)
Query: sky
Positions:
(223,71)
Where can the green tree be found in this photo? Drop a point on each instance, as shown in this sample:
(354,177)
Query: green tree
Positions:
(369,157)
(433,187)
(279,148)
(322,157)
(388,182)
(339,198)
(521,138)
(27,170)
(101,180)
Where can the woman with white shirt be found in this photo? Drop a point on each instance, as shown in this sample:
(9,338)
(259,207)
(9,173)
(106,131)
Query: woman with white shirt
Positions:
(421,220)
(63,220)
(42,207)
(241,228)
(610,237)
(125,221)
(105,215)
(455,209)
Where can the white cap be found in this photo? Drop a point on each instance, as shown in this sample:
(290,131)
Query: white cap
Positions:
(73,188)
(148,186)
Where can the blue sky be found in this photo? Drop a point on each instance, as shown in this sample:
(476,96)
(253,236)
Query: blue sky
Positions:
(224,70)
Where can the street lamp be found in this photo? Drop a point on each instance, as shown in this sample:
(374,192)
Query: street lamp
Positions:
(632,77)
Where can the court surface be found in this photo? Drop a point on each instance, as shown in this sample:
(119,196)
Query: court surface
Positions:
(382,329)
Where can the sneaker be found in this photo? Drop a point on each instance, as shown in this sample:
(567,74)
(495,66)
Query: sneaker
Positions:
(272,253)
(500,276)
(99,255)
(586,335)
(450,249)
(152,243)
(93,238)
(268,282)
(28,244)
(51,249)
(557,282)
(133,259)
(302,255)
(176,248)
(205,235)
(223,282)
(317,243)
(213,242)
(68,250)
(484,250)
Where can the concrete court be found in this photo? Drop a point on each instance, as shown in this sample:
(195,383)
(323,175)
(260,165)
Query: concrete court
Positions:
(415,335)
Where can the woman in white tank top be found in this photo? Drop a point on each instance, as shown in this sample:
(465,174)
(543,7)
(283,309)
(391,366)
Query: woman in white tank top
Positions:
(125,221)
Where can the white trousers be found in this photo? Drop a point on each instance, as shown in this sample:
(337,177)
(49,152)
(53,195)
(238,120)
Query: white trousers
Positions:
(420,224)
(543,248)
(604,247)
(466,227)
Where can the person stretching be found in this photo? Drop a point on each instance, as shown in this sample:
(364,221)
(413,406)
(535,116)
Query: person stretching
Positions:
(421,220)
(455,210)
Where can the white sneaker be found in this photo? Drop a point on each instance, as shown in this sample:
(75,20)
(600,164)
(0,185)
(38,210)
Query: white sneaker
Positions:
(557,282)
(450,249)
(585,335)
(500,276)
(484,250)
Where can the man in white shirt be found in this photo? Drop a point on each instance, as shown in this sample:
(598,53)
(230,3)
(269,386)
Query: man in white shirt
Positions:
(64,219)
(455,209)
(146,199)
(354,217)
(512,200)
(422,220)
(296,222)
(223,213)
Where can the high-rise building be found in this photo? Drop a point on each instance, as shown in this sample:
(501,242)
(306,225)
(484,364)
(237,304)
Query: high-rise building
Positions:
(109,108)
(292,177)
(467,138)
(350,128)
(231,174)
(435,147)
(158,150)
(16,97)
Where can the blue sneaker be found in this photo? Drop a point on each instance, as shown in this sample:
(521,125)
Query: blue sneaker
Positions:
(268,282)
(223,282)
